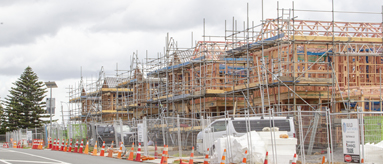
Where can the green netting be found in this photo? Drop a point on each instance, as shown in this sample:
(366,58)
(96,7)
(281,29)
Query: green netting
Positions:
(373,129)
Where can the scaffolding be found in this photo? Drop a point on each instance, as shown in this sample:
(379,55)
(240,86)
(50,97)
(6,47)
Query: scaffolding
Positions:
(275,66)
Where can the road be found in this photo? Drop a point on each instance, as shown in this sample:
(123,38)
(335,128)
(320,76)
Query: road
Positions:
(23,156)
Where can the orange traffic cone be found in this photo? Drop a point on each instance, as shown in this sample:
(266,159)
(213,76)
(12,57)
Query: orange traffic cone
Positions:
(38,147)
(102,149)
(95,149)
(294,159)
(206,160)
(165,161)
(54,144)
(62,145)
(223,161)
(244,158)
(163,154)
(267,158)
(362,161)
(86,151)
(131,153)
(111,145)
(81,146)
(58,147)
(66,145)
(119,152)
(41,144)
(50,143)
(75,147)
(70,146)
(323,159)
(192,156)
(110,150)
(155,151)
(138,155)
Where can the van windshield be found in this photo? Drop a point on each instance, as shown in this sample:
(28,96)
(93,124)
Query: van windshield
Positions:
(258,125)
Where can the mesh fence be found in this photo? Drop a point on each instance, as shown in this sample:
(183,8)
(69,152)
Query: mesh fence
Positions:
(309,134)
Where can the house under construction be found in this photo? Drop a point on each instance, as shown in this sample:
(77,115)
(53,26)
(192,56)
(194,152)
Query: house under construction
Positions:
(280,64)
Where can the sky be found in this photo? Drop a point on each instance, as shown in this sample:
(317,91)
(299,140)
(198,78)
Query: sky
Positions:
(62,40)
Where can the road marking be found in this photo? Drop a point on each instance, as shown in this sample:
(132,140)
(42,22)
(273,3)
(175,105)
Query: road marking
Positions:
(5,162)
(12,160)
(55,161)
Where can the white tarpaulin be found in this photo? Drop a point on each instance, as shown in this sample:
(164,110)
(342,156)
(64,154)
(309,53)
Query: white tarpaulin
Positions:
(261,142)
(238,147)
(373,152)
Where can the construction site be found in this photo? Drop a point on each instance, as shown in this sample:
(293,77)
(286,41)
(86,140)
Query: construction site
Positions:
(317,72)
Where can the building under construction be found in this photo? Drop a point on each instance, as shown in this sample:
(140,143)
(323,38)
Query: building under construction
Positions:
(278,65)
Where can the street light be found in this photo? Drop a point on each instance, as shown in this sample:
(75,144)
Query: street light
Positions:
(50,84)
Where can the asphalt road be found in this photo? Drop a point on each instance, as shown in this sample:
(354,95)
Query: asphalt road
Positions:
(23,156)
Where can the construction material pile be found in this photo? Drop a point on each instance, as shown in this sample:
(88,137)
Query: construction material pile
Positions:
(373,152)
(261,143)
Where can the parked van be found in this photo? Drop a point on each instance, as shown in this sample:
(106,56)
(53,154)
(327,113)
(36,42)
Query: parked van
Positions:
(237,127)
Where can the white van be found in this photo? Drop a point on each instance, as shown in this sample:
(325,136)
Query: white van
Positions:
(237,127)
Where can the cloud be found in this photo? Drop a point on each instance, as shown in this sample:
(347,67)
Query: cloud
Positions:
(58,38)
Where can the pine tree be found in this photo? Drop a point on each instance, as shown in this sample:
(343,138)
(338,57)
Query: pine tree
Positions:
(2,120)
(25,102)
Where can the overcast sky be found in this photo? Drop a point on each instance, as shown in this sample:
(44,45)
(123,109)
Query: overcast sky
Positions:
(57,38)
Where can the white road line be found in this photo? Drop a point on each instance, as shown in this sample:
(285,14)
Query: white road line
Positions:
(61,162)
(11,160)
(5,162)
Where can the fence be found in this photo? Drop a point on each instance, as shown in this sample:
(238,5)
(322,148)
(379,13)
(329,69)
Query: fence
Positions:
(309,134)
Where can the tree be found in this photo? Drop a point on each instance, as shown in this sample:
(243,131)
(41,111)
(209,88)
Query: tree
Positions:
(24,105)
(2,119)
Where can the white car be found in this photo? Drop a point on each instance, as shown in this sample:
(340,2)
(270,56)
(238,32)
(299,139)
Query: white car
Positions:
(238,127)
